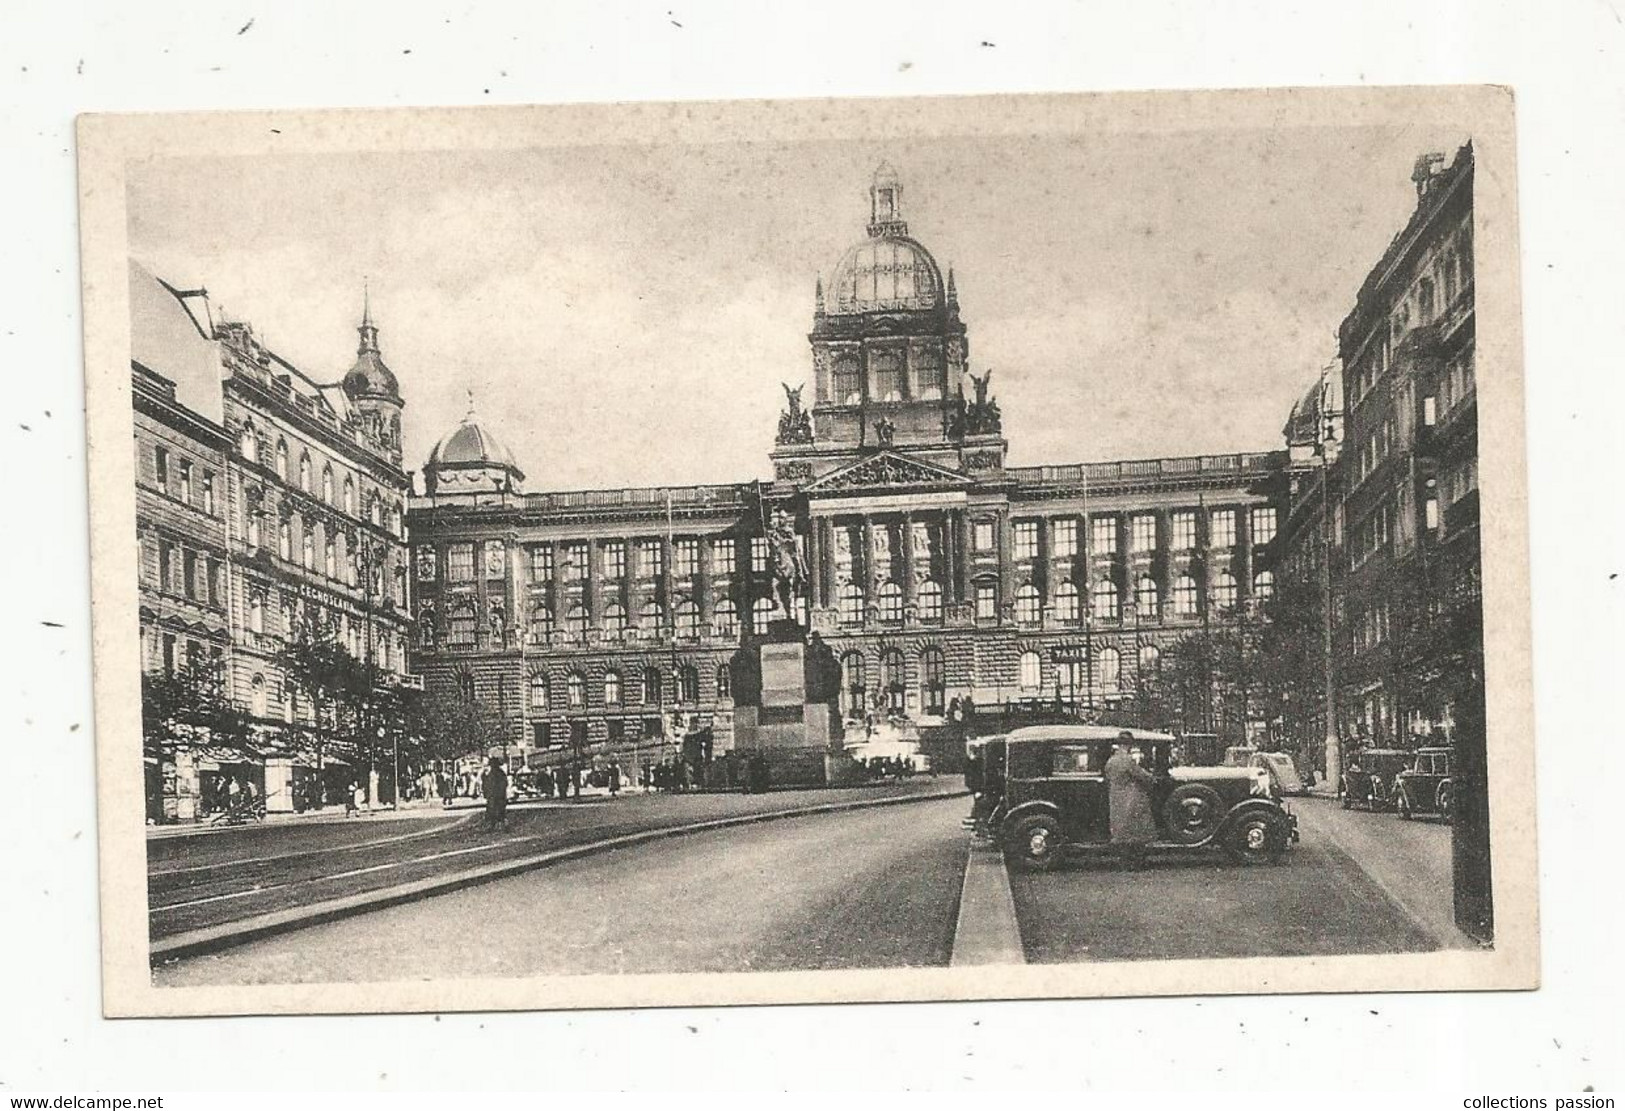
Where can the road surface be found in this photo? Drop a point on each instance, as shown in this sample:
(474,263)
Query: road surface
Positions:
(874,888)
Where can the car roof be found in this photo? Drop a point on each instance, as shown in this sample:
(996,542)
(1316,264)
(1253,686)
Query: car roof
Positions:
(1081,732)
(1383,752)
(1434,750)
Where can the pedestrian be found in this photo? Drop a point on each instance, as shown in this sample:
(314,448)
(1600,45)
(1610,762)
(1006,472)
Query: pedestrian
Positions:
(614,780)
(1128,802)
(448,790)
(544,783)
(495,786)
(352,799)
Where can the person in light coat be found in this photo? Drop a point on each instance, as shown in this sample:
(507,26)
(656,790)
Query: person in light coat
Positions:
(1128,800)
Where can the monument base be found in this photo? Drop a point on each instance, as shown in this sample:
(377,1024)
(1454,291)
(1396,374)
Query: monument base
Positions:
(785,688)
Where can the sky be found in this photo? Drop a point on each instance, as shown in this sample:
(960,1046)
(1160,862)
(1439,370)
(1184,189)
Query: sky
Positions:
(624,315)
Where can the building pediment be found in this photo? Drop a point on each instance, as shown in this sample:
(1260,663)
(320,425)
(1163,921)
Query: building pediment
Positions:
(888,471)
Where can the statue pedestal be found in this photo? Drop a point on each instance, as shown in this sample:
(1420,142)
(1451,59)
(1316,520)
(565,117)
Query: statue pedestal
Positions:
(785,690)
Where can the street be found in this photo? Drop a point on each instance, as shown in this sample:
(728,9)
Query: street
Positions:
(864,888)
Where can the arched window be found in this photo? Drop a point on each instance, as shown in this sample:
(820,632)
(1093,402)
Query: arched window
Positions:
(651,686)
(330,560)
(725,683)
(375,512)
(850,604)
(1105,597)
(1184,596)
(575,621)
(887,374)
(848,381)
(460,628)
(1224,592)
(1027,606)
(687,615)
(284,540)
(649,619)
(852,684)
(575,690)
(256,613)
(933,681)
(1264,585)
(1111,669)
(257,696)
(304,473)
(248,443)
(349,495)
(282,459)
(894,680)
(541,624)
(688,685)
(327,485)
(290,700)
(1150,661)
(891,602)
(1031,671)
(612,688)
(929,600)
(538,693)
(1071,682)
(1066,602)
(1146,598)
(253,526)
(725,618)
(761,614)
(307,550)
(615,619)
(465,685)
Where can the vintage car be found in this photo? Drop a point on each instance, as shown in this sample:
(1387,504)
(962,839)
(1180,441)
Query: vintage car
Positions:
(1283,772)
(1425,787)
(1368,779)
(1043,789)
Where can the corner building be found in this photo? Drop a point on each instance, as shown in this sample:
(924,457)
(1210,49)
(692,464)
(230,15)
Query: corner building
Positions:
(935,571)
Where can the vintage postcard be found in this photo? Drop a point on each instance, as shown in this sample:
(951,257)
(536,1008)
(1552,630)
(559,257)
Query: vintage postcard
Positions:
(957,548)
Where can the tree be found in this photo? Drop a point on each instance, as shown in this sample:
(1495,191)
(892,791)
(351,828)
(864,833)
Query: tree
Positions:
(445,726)
(189,706)
(324,671)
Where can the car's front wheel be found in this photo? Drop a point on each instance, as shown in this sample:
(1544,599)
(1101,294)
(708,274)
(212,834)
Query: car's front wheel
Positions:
(1034,843)
(1259,837)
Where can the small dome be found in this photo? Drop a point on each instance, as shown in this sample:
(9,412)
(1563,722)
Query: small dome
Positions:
(886,272)
(371,378)
(470,443)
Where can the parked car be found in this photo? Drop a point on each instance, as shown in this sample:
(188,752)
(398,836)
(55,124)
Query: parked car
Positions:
(1369,778)
(1049,797)
(1425,787)
(1283,772)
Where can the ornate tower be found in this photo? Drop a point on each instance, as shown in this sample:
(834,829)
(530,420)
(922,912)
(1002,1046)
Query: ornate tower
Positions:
(372,388)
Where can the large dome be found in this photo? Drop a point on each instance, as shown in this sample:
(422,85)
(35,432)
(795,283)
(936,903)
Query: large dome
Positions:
(886,272)
(470,443)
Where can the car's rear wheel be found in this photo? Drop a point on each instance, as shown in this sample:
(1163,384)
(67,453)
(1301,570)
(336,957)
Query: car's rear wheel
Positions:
(1258,837)
(1444,801)
(1193,813)
(1402,803)
(1034,844)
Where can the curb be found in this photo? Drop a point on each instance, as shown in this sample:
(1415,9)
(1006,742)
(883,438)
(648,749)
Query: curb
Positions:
(211,939)
(987,931)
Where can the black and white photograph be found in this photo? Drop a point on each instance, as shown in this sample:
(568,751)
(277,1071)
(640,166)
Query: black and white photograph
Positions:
(773,552)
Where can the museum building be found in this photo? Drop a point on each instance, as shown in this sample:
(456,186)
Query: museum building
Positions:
(603,621)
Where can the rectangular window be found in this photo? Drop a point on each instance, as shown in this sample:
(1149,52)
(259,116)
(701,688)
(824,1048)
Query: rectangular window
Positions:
(1143,532)
(614,560)
(650,563)
(1263,524)
(1430,511)
(982,536)
(165,558)
(722,556)
(541,564)
(189,574)
(575,562)
(186,481)
(1026,539)
(460,563)
(169,654)
(1184,530)
(1223,533)
(987,602)
(759,554)
(1064,537)
(616,730)
(1103,535)
(208,492)
(541,733)
(685,558)
(161,468)
(1430,411)
(214,582)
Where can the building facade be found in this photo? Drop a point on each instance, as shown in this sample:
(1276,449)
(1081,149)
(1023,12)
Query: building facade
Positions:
(1384,487)
(940,576)
(268,501)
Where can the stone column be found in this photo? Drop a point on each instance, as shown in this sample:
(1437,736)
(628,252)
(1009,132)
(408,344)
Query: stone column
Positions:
(1007,578)
(705,595)
(908,560)
(864,575)
(595,578)
(555,588)
(950,555)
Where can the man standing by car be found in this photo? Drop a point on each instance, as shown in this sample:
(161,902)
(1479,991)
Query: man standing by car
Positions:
(1128,801)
